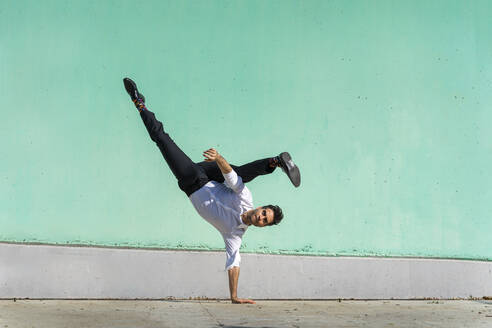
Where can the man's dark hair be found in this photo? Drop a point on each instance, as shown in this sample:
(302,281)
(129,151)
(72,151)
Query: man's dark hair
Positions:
(277,213)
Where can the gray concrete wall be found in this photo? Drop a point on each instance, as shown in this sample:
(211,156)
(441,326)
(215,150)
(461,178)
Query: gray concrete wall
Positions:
(40,271)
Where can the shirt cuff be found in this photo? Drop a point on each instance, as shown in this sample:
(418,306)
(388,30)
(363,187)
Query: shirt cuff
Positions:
(230,178)
(231,266)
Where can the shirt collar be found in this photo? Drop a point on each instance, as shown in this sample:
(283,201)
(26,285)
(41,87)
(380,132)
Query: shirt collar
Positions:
(242,226)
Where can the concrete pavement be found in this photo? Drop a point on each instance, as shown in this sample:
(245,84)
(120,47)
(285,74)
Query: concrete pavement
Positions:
(112,314)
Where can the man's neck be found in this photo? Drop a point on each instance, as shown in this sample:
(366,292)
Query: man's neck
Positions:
(246,218)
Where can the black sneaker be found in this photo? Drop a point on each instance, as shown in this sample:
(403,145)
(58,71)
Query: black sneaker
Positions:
(290,168)
(132,90)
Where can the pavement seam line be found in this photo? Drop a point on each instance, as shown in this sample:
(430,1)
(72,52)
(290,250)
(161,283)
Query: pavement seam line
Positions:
(211,315)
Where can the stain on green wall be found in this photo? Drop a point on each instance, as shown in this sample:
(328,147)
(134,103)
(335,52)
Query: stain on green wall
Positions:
(385,106)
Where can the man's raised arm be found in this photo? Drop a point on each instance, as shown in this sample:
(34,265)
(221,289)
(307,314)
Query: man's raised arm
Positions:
(212,155)
(232,180)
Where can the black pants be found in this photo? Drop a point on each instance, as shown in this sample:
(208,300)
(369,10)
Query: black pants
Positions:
(192,176)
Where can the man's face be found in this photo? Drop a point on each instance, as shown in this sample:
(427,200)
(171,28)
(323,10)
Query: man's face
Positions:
(262,216)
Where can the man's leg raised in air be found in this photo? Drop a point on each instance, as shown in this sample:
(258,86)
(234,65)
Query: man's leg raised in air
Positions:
(251,170)
(247,172)
(190,176)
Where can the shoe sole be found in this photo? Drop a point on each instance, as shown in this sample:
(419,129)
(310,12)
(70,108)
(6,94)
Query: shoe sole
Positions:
(290,169)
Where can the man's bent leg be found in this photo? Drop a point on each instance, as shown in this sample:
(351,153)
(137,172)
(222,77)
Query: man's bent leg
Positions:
(190,176)
(247,172)
(253,169)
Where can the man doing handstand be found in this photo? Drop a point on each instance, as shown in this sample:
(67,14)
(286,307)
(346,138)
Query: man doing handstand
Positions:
(216,189)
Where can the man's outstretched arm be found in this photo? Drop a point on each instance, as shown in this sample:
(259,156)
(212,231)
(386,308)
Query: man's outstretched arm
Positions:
(233,278)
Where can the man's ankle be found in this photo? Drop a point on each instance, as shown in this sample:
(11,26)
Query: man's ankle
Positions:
(273,162)
(140,104)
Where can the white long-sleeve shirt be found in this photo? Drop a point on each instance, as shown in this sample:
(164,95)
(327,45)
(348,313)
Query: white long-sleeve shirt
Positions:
(222,204)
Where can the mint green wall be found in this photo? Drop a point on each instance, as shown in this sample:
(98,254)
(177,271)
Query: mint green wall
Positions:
(388,105)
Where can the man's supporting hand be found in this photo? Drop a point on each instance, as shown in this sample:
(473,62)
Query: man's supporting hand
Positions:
(233,278)
(242,301)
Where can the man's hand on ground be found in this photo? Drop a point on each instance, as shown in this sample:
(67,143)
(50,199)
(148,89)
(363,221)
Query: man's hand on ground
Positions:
(211,155)
(242,301)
